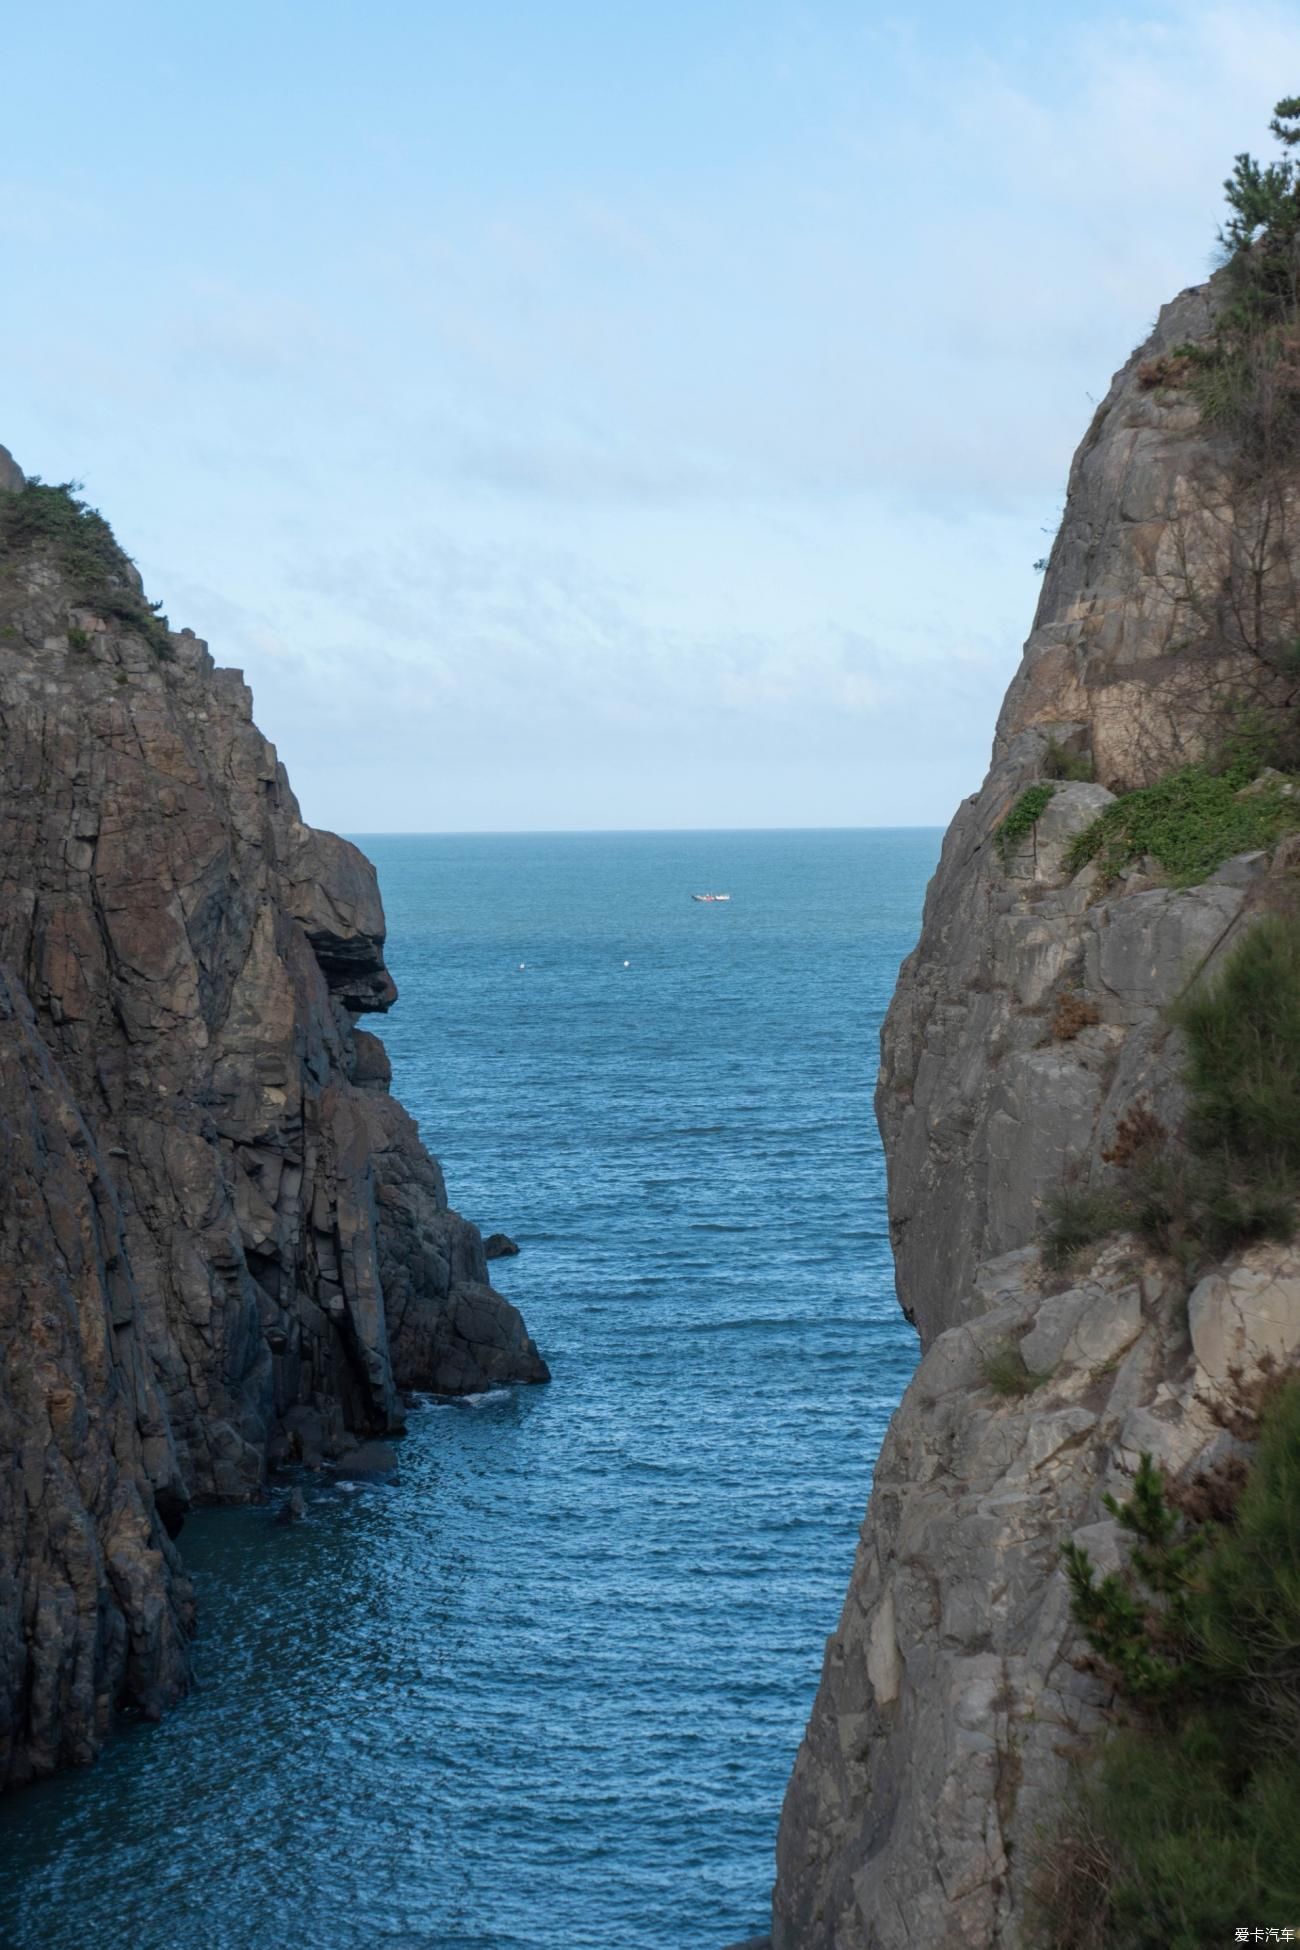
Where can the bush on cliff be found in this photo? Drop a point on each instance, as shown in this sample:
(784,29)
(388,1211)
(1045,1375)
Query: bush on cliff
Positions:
(1189,1826)
(1022,819)
(1262,234)
(1059,762)
(52,518)
(1246,379)
(1234,1174)
(1243,1053)
(1189,822)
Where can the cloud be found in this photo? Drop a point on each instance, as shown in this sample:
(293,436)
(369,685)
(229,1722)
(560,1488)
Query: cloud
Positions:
(516,469)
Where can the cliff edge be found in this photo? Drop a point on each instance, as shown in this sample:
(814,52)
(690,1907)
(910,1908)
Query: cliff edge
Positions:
(1030,1048)
(222,1244)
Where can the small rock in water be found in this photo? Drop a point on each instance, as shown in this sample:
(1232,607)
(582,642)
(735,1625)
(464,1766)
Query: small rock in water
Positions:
(499,1247)
(294,1510)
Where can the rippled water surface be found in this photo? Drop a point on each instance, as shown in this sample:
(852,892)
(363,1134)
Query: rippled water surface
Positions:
(546,1691)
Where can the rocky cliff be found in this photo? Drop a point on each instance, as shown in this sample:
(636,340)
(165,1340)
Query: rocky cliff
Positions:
(222,1244)
(1028,1041)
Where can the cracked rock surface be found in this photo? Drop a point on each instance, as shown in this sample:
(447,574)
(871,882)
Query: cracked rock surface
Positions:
(222,1241)
(1029,1022)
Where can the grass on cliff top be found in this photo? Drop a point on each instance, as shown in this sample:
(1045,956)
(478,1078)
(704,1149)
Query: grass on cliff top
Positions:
(53,519)
(1189,1827)
(1190,822)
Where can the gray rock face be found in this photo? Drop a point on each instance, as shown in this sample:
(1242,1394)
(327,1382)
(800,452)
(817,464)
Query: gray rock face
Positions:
(987,1108)
(955,1691)
(222,1237)
(1028,1024)
(981,1114)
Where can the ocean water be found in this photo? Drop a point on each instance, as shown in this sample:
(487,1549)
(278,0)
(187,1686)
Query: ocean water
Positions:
(545,1692)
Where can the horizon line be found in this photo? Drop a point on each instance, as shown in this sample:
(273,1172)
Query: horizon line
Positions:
(609,832)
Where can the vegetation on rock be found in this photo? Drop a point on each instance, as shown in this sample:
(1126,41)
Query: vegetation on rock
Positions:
(1073,1012)
(1234,1174)
(52,518)
(1022,819)
(1243,1044)
(1246,379)
(1189,822)
(1007,1373)
(1190,1822)
(1077,1216)
(1059,762)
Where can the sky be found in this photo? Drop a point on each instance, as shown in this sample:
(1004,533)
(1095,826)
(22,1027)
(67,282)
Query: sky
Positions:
(593,416)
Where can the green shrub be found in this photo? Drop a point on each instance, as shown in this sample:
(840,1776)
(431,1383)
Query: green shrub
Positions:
(1262,235)
(1190,1824)
(1190,822)
(1076,1217)
(1144,1634)
(53,519)
(1023,817)
(1194,1208)
(1245,379)
(1194,1848)
(1234,1176)
(1007,1373)
(1059,762)
(1243,1052)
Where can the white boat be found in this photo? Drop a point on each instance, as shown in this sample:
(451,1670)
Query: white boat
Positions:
(710,897)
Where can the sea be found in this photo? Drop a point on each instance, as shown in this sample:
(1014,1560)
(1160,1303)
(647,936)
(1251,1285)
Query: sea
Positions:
(545,1692)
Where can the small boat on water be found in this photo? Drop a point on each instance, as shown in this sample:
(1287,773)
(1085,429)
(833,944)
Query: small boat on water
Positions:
(710,897)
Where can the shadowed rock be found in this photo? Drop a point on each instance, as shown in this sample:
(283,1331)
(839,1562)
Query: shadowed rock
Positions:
(222,1238)
(476,1341)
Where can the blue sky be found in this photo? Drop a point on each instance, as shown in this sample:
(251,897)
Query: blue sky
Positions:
(576,416)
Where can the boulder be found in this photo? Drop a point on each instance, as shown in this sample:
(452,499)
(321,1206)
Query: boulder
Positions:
(478,1342)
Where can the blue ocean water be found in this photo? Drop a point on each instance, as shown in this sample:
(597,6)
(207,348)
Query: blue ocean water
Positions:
(545,1693)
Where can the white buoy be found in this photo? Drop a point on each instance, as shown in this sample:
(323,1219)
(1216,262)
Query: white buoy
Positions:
(627,964)
(521,964)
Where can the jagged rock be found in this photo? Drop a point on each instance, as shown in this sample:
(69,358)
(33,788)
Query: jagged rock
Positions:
(477,1341)
(498,1246)
(231,1238)
(953,1693)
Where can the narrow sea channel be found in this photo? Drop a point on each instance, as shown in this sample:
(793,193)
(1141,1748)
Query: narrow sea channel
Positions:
(545,1692)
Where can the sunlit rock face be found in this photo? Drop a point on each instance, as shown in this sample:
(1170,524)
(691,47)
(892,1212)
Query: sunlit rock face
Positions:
(221,1240)
(1028,1024)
